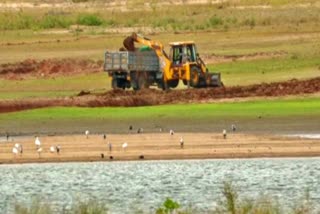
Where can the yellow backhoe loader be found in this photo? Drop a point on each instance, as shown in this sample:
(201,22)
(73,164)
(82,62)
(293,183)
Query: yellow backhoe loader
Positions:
(150,65)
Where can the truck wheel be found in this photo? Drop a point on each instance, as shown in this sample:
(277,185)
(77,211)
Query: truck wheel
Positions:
(118,83)
(114,83)
(194,76)
(142,80)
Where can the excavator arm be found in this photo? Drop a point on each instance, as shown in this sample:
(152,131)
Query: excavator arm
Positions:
(165,62)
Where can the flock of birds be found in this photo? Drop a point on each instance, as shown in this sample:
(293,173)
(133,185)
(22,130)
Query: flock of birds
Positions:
(18,148)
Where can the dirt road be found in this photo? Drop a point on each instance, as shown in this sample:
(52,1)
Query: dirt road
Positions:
(157,146)
(48,68)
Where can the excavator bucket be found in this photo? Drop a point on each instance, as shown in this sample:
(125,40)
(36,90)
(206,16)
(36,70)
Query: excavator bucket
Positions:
(128,43)
(213,80)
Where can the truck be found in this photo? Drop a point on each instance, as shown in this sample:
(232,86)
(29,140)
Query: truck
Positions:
(149,65)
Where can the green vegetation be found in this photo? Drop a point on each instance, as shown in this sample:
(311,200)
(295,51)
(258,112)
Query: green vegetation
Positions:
(231,203)
(22,21)
(81,207)
(168,207)
(250,109)
(89,20)
(222,16)
(53,87)
(88,207)
(268,70)
(36,207)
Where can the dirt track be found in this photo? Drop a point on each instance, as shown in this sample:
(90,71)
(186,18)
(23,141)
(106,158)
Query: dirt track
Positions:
(156,146)
(31,68)
(158,97)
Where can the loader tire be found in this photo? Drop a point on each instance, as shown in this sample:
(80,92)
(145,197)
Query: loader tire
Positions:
(173,83)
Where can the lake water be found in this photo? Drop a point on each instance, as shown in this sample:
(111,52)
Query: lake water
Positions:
(134,185)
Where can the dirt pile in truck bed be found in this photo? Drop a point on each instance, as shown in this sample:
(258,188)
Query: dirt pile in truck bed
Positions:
(48,68)
(157,97)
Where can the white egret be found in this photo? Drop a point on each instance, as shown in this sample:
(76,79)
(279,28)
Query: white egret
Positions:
(124,146)
(140,130)
(224,132)
(110,146)
(181,142)
(15,151)
(233,127)
(39,150)
(53,149)
(18,147)
(87,133)
(37,142)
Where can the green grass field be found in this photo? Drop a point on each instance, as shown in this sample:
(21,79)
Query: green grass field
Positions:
(54,87)
(291,114)
(269,70)
(271,108)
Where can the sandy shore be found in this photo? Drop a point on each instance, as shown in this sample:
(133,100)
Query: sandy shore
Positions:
(157,146)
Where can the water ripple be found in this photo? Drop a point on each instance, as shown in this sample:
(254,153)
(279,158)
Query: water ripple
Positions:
(127,186)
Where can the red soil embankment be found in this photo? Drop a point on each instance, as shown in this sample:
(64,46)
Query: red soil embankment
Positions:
(158,97)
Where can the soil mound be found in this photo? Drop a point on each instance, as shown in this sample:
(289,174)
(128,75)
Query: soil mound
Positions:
(31,68)
(150,97)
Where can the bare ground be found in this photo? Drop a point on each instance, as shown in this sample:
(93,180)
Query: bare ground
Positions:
(48,68)
(156,146)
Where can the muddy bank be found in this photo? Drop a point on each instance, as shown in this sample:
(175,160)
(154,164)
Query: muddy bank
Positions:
(48,68)
(158,97)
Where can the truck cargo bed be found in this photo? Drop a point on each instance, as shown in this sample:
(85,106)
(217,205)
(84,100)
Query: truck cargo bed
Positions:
(126,61)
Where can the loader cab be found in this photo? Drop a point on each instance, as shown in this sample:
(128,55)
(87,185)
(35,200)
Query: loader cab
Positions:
(182,52)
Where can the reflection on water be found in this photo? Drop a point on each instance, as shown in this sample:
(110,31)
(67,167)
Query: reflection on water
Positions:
(127,186)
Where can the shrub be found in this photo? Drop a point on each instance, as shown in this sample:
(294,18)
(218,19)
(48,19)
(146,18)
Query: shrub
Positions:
(215,21)
(89,207)
(169,206)
(89,20)
(11,21)
(36,207)
(54,21)
(250,22)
